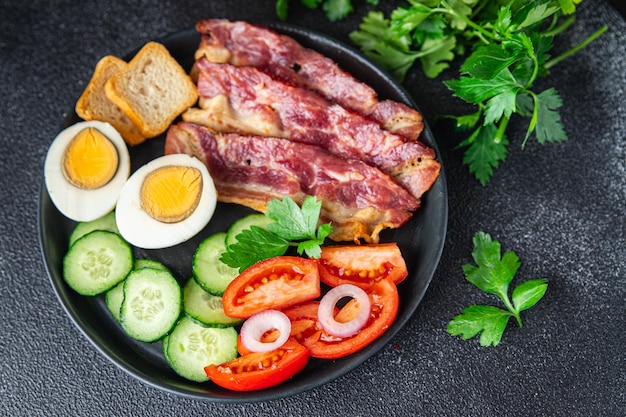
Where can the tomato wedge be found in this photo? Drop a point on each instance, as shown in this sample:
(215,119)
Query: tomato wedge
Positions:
(361,265)
(274,283)
(306,329)
(255,371)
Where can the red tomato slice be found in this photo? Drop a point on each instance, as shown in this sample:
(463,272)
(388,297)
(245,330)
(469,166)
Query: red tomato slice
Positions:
(274,283)
(254,371)
(361,265)
(305,327)
(307,330)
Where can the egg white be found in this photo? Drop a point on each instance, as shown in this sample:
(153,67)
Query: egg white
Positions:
(76,203)
(142,230)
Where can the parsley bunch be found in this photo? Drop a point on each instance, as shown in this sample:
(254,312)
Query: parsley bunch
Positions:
(509,44)
(292,226)
(493,274)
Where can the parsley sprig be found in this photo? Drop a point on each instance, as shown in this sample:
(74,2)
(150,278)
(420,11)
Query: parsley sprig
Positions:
(493,274)
(292,226)
(508,45)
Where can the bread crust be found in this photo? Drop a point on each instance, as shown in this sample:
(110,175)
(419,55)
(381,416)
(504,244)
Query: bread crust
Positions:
(152,90)
(93,104)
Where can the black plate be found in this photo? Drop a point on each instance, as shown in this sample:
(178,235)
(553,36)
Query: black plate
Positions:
(421,241)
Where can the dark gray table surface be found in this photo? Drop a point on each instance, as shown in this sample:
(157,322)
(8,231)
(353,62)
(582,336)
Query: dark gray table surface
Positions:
(560,207)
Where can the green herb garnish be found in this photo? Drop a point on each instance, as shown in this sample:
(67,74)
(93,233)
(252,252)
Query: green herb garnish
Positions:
(493,274)
(292,226)
(508,45)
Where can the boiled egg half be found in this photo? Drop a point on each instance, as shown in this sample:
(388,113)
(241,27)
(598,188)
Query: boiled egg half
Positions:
(85,169)
(166,202)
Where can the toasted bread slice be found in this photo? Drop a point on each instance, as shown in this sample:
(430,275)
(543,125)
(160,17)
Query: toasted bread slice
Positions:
(93,104)
(153,90)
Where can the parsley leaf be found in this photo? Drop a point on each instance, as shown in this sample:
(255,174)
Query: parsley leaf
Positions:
(488,61)
(484,154)
(491,321)
(253,245)
(499,105)
(291,222)
(282,8)
(337,9)
(418,32)
(493,274)
(569,6)
(528,293)
(476,90)
(436,55)
(389,48)
(549,127)
(292,226)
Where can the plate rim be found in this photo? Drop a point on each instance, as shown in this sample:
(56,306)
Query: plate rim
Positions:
(281,391)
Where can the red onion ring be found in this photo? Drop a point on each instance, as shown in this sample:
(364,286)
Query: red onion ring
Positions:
(328,302)
(260,323)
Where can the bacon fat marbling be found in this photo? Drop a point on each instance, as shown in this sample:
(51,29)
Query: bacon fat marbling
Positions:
(244,44)
(358,199)
(249,101)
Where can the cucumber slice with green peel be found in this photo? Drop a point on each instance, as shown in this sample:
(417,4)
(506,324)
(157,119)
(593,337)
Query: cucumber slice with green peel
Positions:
(164,343)
(97,262)
(191,346)
(106,222)
(115,295)
(152,304)
(113,299)
(209,272)
(149,263)
(255,219)
(204,307)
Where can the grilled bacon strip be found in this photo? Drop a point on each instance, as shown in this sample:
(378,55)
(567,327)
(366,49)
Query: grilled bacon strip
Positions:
(245,44)
(358,199)
(249,101)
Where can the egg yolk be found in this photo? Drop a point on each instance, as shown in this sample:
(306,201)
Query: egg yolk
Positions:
(90,160)
(170,194)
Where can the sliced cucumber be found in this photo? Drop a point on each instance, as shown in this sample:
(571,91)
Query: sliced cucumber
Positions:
(114,298)
(164,343)
(97,262)
(115,295)
(149,263)
(191,347)
(106,222)
(152,304)
(255,219)
(212,274)
(205,307)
